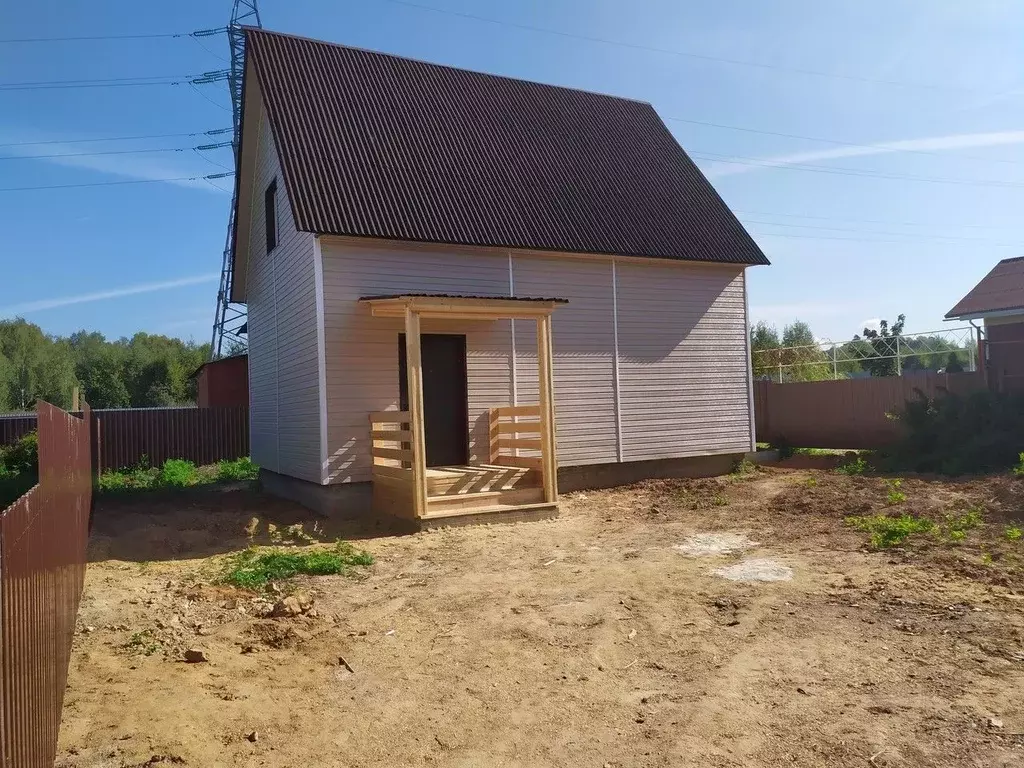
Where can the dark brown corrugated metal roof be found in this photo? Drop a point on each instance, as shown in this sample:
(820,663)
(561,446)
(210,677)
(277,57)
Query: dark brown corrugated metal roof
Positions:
(375,145)
(1001,289)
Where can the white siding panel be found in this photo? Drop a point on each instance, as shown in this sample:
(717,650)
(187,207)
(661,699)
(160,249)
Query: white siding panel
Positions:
(583,347)
(682,360)
(362,351)
(283,361)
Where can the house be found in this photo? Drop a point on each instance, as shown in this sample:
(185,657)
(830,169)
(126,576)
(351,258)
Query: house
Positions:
(466,291)
(223,382)
(998,302)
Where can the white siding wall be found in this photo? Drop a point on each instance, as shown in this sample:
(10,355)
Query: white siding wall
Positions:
(283,361)
(683,369)
(682,361)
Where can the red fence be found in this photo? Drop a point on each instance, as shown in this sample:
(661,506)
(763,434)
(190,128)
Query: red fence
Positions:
(126,437)
(846,413)
(43,538)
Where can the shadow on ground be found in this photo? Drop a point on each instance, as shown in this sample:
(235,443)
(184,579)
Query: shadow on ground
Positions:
(155,526)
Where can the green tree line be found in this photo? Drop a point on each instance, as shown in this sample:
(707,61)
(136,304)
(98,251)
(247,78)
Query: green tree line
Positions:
(145,370)
(799,357)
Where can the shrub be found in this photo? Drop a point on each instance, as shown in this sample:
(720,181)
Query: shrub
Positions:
(254,568)
(960,434)
(1018,469)
(888,531)
(895,495)
(129,479)
(1013,533)
(22,456)
(856,467)
(239,469)
(957,525)
(178,473)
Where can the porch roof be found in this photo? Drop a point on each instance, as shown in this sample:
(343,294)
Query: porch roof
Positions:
(442,305)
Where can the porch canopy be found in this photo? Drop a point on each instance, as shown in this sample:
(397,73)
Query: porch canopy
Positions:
(413,307)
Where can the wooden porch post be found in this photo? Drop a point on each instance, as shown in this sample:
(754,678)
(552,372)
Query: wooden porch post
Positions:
(414,370)
(549,464)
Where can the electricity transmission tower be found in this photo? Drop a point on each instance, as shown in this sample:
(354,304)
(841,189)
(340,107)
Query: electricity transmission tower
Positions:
(230,321)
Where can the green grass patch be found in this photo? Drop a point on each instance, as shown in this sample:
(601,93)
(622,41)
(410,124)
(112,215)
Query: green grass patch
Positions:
(254,568)
(1013,533)
(895,495)
(743,468)
(142,642)
(239,469)
(958,525)
(889,531)
(177,474)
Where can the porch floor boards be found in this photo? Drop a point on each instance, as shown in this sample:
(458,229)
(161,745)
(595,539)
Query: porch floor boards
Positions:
(478,478)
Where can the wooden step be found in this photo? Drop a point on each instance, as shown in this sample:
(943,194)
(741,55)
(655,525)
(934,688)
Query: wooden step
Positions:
(463,502)
(442,513)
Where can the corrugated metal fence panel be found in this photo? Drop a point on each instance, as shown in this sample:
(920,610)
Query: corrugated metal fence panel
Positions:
(847,413)
(43,539)
(128,437)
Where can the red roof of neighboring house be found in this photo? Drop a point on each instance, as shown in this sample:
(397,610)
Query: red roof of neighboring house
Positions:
(1002,289)
(375,145)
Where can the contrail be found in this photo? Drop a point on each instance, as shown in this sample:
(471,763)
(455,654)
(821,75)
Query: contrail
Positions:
(114,293)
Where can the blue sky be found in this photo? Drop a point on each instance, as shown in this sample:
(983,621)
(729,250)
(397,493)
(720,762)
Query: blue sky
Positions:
(942,78)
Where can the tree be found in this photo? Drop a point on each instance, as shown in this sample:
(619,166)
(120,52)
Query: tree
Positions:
(884,346)
(764,350)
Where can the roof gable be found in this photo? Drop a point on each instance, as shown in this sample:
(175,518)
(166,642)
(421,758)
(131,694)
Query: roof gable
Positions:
(373,145)
(1000,290)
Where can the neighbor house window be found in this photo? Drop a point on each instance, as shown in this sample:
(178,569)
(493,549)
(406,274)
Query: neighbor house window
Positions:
(270,208)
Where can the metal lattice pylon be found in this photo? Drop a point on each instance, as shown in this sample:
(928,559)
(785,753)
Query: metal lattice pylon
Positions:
(230,321)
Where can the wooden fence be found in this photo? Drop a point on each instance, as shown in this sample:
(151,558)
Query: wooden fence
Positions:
(846,413)
(43,538)
(127,437)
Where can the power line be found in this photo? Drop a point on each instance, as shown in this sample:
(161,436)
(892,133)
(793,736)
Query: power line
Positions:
(213,132)
(840,143)
(843,239)
(115,82)
(843,171)
(676,52)
(113,183)
(144,36)
(91,154)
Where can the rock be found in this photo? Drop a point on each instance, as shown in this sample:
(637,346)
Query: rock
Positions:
(994,722)
(248,648)
(196,656)
(88,629)
(253,736)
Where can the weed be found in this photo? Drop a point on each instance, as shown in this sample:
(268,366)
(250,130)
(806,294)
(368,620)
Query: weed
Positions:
(957,525)
(811,482)
(889,531)
(239,469)
(895,495)
(1013,533)
(856,467)
(719,500)
(178,473)
(743,467)
(1018,469)
(254,568)
(986,558)
(142,642)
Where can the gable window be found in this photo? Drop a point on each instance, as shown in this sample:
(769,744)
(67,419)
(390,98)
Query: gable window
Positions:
(270,210)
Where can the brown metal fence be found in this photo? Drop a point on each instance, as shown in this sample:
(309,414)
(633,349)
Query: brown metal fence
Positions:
(43,540)
(128,437)
(846,413)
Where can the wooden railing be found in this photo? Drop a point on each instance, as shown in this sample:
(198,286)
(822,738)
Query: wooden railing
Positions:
(512,429)
(391,443)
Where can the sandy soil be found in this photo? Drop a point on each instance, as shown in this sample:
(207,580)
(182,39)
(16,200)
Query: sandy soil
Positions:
(583,641)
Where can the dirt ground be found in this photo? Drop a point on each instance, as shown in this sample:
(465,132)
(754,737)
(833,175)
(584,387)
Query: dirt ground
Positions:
(589,640)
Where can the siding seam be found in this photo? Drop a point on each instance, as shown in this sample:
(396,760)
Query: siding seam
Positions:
(321,349)
(277,350)
(615,363)
(512,325)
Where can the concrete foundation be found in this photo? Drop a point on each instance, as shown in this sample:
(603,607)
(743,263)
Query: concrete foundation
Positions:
(593,476)
(354,500)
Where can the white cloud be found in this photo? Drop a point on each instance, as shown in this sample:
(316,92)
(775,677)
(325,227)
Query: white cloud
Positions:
(872,323)
(801,310)
(933,144)
(114,293)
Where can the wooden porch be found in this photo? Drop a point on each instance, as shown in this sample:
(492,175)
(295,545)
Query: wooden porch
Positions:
(519,472)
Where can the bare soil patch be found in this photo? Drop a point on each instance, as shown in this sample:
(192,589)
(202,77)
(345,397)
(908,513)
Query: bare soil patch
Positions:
(589,640)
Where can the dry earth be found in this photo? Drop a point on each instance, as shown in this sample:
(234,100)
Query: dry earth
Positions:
(583,641)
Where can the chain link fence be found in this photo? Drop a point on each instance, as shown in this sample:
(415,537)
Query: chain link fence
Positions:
(951,350)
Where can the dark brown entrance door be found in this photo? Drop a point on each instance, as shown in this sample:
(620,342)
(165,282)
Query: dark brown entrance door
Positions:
(445,400)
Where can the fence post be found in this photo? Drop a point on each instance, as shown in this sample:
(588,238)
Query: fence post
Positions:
(899,360)
(780,370)
(835,362)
